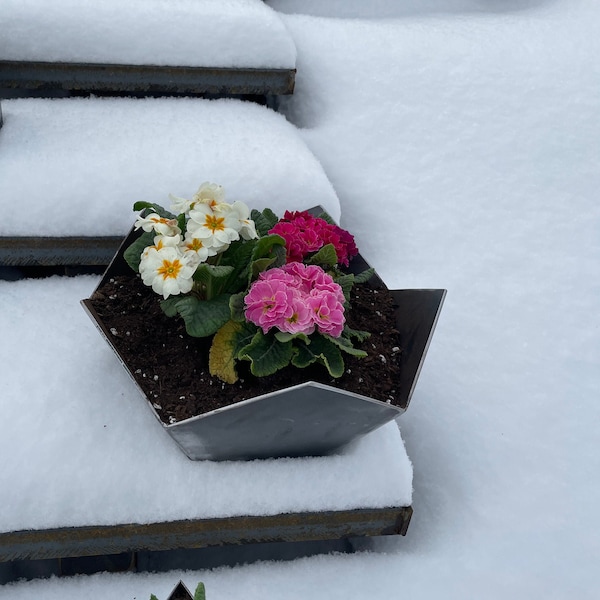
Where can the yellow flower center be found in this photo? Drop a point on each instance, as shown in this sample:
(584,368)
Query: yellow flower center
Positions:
(170,269)
(194,245)
(214,223)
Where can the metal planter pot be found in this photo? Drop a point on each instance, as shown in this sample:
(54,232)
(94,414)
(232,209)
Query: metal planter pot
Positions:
(311,419)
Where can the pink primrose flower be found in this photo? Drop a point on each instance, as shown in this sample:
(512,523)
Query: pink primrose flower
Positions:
(328,313)
(296,298)
(305,234)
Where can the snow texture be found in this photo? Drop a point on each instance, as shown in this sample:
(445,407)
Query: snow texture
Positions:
(87,450)
(78,165)
(195,33)
(463,139)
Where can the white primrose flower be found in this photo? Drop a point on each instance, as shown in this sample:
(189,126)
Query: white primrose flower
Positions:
(216,229)
(208,193)
(157,223)
(163,241)
(180,205)
(247,228)
(211,194)
(196,246)
(168,270)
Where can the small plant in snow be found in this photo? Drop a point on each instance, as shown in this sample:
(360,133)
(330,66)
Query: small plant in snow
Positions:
(269,291)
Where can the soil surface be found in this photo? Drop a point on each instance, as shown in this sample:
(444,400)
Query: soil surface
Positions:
(172,367)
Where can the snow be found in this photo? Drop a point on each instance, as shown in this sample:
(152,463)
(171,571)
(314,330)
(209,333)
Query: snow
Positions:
(195,33)
(462,138)
(89,160)
(95,455)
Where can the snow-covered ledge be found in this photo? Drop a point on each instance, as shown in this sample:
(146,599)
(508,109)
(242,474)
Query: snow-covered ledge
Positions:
(195,33)
(78,165)
(81,447)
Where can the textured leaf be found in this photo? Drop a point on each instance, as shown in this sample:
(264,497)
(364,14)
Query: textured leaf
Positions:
(133,253)
(320,350)
(204,317)
(346,282)
(225,347)
(200,593)
(326,256)
(156,208)
(364,276)
(326,217)
(237,307)
(211,275)
(361,336)
(284,336)
(266,354)
(346,346)
(169,306)
(264,220)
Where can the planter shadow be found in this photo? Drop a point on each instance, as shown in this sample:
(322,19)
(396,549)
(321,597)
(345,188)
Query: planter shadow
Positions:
(310,419)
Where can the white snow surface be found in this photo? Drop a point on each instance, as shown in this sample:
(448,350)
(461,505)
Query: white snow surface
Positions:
(87,450)
(195,33)
(76,166)
(463,139)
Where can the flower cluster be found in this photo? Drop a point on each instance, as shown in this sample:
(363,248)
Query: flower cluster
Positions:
(269,291)
(211,225)
(296,298)
(305,234)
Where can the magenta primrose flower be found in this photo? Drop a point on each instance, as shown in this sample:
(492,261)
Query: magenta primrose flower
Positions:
(305,234)
(296,298)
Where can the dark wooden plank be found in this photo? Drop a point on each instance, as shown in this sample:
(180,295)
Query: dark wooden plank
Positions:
(22,79)
(57,251)
(201,533)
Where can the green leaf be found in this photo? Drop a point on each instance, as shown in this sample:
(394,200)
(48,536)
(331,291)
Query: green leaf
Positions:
(361,336)
(346,346)
(320,350)
(212,275)
(326,217)
(264,220)
(156,208)
(200,593)
(364,276)
(226,344)
(153,597)
(326,256)
(133,253)
(169,306)
(204,317)
(266,354)
(260,265)
(238,256)
(346,282)
(284,336)
(237,307)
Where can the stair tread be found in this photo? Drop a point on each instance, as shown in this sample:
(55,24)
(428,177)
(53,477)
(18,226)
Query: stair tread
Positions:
(76,166)
(88,449)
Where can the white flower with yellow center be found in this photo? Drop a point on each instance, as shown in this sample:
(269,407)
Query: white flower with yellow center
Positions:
(246,226)
(216,229)
(161,225)
(163,241)
(208,193)
(196,246)
(168,270)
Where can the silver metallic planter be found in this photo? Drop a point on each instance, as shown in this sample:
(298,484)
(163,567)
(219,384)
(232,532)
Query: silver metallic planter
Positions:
(311,419)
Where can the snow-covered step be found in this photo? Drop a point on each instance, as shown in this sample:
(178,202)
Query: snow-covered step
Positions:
(77,166)
(146,46)
(90,471)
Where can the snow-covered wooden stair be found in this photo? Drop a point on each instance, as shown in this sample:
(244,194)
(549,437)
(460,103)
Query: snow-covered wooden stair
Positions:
(88,471)
(71,169)
(191,47)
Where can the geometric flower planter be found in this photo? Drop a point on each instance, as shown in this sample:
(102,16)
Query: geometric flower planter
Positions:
(310,419)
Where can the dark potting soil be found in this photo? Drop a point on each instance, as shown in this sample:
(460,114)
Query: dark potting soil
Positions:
(172,367)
